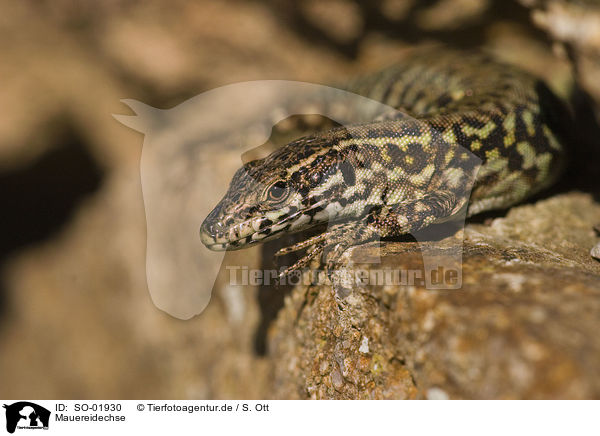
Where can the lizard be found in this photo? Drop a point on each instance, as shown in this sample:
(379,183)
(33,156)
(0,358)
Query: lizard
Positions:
(396,175)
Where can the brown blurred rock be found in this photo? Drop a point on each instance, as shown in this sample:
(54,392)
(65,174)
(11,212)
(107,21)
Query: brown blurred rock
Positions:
(77,319)
(451,14)
(576,24)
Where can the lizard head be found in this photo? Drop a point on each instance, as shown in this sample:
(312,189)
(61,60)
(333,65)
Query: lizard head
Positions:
(296,187)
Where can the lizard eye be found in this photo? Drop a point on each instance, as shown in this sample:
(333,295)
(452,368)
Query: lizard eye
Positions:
(277,192)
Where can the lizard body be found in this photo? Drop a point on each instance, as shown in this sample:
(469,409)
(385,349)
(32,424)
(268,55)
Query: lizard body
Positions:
(396,176)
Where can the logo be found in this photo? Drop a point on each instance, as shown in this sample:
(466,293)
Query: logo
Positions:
(26,415)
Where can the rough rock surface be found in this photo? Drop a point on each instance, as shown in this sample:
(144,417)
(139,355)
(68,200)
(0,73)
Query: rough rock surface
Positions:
(522,326)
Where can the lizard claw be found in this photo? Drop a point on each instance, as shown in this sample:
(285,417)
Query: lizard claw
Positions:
(311,253)
(301,245)
(331,245)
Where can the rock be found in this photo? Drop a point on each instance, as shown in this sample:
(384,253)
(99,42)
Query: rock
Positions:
(577,26)
(524,324)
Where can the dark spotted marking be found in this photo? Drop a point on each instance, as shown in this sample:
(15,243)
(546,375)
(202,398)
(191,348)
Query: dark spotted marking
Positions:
(348,173)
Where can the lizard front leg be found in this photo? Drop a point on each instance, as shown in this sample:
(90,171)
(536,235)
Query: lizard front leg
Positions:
(382,221)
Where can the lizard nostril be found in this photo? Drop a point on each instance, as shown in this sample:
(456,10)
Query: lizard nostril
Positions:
(211,229)
(227,220)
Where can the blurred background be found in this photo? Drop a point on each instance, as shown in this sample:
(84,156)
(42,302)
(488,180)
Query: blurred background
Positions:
(76,318)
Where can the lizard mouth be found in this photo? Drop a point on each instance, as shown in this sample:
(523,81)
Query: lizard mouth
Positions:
(254,230)
(215,236)
(237,236)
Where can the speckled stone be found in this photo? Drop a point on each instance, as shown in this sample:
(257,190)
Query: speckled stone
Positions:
(524,324)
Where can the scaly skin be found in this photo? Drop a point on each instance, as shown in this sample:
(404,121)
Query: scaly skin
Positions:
(398,175)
